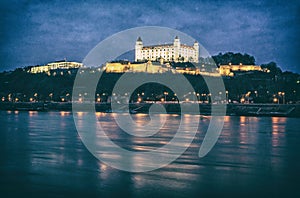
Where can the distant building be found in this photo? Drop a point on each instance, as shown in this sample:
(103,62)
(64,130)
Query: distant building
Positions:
(55,65)
(175,51)
(229,70)
(156,67)
(148,67)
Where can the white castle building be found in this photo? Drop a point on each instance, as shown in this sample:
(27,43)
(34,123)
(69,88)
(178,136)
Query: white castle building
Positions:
(167,52)
(63,64)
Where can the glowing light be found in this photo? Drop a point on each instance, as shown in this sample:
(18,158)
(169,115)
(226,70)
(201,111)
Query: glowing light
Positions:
(80,114)
(32,113)
(64,113)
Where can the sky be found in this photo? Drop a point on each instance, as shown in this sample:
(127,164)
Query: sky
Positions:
(36,32)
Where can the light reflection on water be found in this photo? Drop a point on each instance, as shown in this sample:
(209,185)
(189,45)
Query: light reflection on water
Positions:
(41,152)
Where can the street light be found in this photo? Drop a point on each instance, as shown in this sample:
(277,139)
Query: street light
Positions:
(209,98)
(242,100)
(139,100)
(282,94)
(166,93)
(226,96)
(51,95)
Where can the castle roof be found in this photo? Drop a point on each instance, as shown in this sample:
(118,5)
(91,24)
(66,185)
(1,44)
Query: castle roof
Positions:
(167,45)
(161,45)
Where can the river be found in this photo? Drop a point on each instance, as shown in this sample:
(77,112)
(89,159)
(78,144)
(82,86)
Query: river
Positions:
(42,155)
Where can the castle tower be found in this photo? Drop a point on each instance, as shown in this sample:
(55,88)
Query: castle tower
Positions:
(138,49)
(176,48)
(196,56)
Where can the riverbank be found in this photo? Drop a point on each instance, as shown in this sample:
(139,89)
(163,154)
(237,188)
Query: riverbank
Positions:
(284,110)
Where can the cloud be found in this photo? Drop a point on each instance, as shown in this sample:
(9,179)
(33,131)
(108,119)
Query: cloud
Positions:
(36,32)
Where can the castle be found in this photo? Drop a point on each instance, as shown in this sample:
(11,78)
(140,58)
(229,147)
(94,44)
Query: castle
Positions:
(174,52)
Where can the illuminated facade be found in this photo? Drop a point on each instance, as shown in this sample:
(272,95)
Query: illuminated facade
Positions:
(156,67)
(55,65)
(148,67)
(175,51)
(228,70)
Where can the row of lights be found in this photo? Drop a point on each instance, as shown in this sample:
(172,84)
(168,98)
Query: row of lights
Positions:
(276,98)
(165,93)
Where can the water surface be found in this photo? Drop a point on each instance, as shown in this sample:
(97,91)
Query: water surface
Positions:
(43,156)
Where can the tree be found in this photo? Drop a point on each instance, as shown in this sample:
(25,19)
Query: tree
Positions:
(272,66)
(234,58)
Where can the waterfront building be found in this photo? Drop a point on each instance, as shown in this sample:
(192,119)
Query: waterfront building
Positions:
(175,52)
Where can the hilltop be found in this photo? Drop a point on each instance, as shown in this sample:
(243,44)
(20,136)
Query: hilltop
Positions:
(270,85)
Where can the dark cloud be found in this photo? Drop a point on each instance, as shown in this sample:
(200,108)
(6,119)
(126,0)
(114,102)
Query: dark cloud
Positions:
(37,32)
